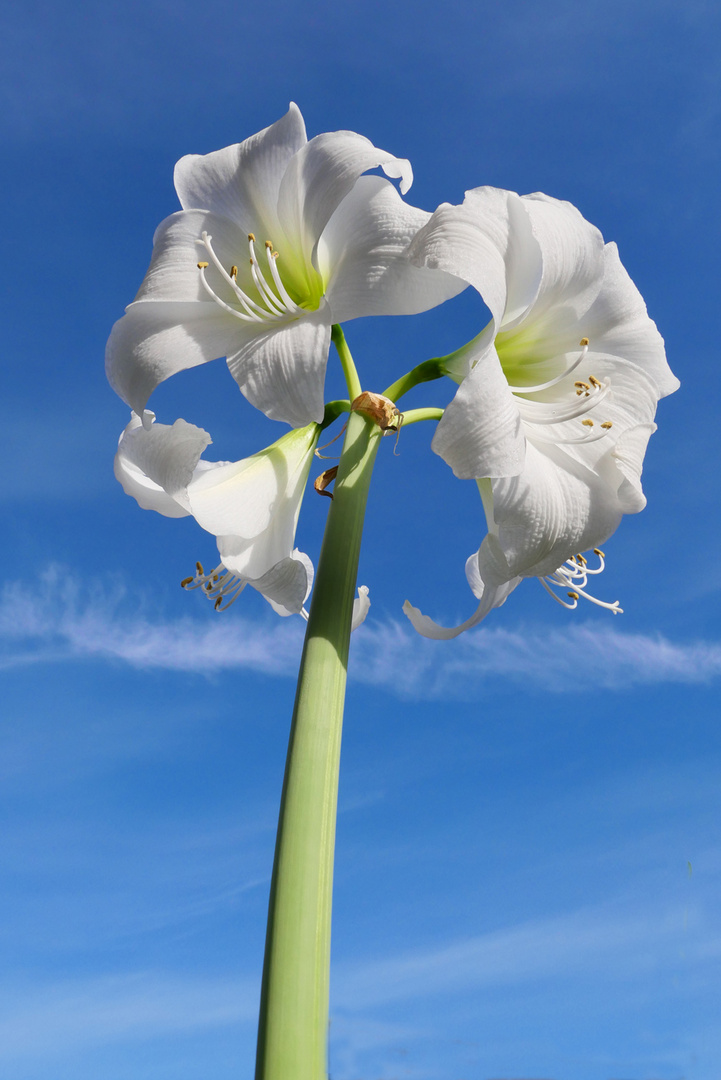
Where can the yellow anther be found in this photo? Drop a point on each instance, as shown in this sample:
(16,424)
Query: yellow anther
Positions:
(202,265)
(269,245)
(199,568)
(185,582)
(587,423)
(251,237)
(606,424)
(252,262)
(594,381)
(234,271)
(217,603)
(573,595)
(580,559)
(597,551)
(215,578)
(208,587)
(275,254)
(583,342)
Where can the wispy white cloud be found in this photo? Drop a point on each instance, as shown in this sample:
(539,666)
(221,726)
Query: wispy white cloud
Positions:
(62,620)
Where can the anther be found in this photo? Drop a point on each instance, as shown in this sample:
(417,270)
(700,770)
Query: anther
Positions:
(583,342)
(573,595)
(269,245)
(587,423)
(202,265)
(234,271)
(185,582)
(595,382)
(597,551)
(606,425)
(251,237)
(199,568)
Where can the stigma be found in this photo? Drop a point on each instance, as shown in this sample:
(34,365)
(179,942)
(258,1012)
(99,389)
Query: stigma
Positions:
(220,585)
(573,576)
(272,299)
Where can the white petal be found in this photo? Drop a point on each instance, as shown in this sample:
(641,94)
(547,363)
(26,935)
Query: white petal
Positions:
(281,370)
(362,254)
(571,253)
(490,599)
(487,241)
(242,182)
(480,433)
(320,176)
(361,607)
(173,273)
(618,323)
(156,465)
(628,454)
(556,507)
(156,339)
(286,586)
(252,506)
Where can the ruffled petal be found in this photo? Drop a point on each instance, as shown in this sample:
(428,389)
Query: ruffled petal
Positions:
(319,177)
(480,433)
(487,241)
(286,586)
(362,254)
(556,507)
(572,258)
(242,182)
(617,323)
(281,370)
(156,464)
(156,339)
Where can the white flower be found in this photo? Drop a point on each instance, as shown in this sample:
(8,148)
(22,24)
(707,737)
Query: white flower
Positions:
(278,239)
(557,394)
(251,506)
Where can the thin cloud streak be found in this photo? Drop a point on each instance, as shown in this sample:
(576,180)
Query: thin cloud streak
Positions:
(62,621)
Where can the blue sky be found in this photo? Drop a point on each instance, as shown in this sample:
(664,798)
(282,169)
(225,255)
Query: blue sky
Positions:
(529,861)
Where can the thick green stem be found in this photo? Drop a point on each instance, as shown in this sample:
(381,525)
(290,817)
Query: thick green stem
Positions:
(293,1028)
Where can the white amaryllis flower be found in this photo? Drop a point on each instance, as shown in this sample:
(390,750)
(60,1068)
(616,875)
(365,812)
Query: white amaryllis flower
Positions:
(278,239)
(557,394)
(251,506)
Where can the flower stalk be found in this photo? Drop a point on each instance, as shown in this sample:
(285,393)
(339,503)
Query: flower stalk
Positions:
(293,1026)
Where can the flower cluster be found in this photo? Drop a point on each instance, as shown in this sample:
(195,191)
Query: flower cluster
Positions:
(279,239)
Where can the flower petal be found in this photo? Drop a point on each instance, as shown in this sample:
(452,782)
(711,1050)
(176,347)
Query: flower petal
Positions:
(242,182)
(487,241)
(480,433)
(556,507)
(156,339)
(572,258)
(618,323)
(319,177)
(281,369)
(155,465)
(252,506)
(362,254)
(361,607)
(491,598)
(286,586)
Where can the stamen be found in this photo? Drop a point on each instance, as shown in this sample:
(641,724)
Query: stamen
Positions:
(272,307)
(607,425)
(575,572)
(587,423)
(220,585)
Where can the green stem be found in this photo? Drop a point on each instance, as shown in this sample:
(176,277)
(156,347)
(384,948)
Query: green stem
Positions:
(425,372)
(346,360)
(293,1027)
(413,416)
